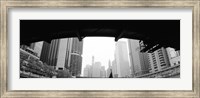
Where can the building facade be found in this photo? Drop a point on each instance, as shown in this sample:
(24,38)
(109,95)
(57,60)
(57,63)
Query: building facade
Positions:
(45,52)
(121,57)
(96,70)
(102,72)
(138,61)
(108,71)
(61,54)
(87,72)
(76,57)
(38,48)
(114,69)
(174,56)
(53,52)
(158,60)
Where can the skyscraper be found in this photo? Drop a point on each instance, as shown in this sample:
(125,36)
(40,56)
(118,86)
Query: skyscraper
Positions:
(53,52)
(45,52)
(61,53)
(121,56)
(38,48)
(63,56)
(109,69)
(102,72)
(76,57)
(87,71)
(158,60)
(114,69)
(138,61)
(96,70)
(92,60)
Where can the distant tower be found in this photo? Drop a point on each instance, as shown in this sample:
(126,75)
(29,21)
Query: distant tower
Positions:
(109,68)
(96,70)
(114,69)
(92,66)
(109,63)
(92,60)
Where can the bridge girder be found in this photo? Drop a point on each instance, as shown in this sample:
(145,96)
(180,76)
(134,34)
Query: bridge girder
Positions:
(163,32)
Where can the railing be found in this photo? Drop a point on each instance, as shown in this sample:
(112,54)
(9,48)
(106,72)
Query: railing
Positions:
(170,72)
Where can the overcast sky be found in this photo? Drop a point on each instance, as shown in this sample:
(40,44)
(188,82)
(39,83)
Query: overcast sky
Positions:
(102,48)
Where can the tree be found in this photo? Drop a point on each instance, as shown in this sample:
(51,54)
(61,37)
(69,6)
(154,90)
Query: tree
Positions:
(64,74)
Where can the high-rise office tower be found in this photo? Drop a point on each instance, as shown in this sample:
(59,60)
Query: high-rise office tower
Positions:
(76,57)
(102,72)
(45,52)
(53,52)
(138,61)
(92,60)
(96,68)
(108,71)
(63,53)
(122,62)
(114,69)
(158,60)
(38,48)
(87,71)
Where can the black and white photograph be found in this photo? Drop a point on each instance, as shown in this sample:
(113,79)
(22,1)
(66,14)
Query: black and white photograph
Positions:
(99,49)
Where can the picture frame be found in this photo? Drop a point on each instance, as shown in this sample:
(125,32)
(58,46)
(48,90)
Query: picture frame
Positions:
(5,5)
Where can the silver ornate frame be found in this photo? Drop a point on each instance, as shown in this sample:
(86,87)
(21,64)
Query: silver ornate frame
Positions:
(6,4)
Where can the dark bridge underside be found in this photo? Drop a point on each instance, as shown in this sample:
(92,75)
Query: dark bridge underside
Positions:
(160,33)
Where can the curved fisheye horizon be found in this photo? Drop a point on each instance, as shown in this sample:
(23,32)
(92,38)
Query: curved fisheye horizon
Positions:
(96,49)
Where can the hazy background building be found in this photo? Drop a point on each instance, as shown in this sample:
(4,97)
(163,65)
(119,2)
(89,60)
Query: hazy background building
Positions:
(88,71)
(114,69)
(108,71)
(102,72)
(96,69)
(122,62)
